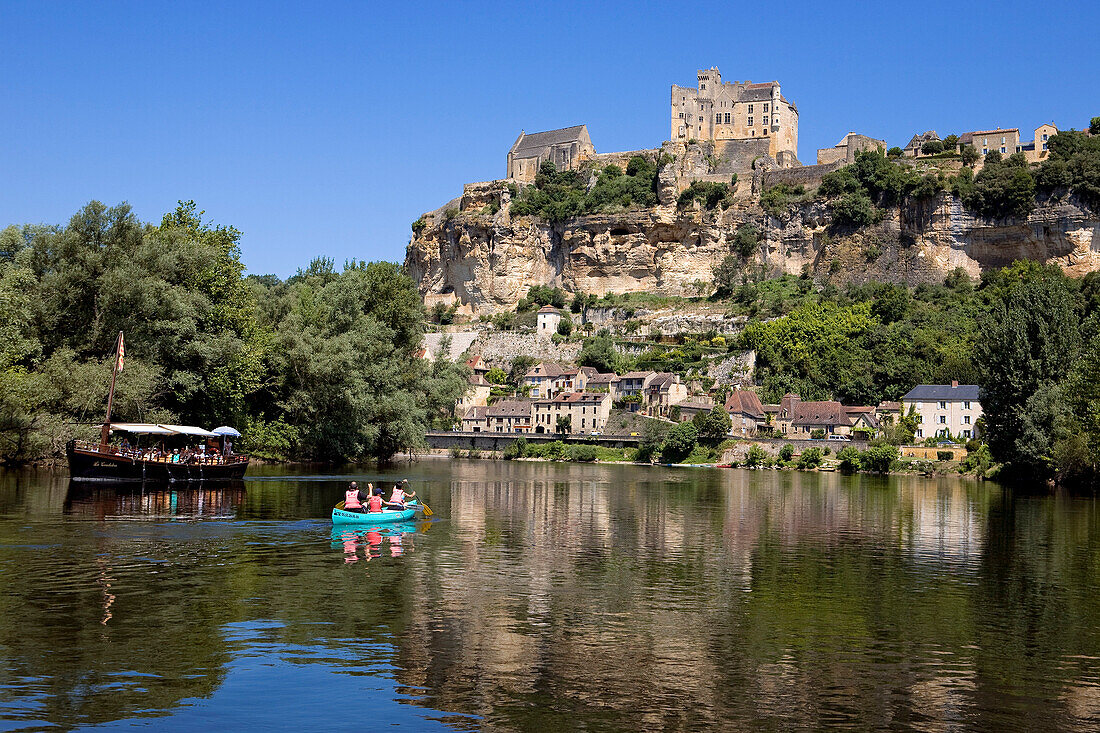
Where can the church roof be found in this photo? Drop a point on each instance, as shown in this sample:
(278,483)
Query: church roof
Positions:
(538,141)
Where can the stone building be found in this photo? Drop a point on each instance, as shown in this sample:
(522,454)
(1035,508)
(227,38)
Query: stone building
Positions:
(566,148)
(845,150)
(1006,141)
(547,320)
(588,412)
(717,110)
(912,148)
(477,394)
(944,408)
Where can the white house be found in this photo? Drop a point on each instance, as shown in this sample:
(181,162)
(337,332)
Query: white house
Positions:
(944,408)
(547,320)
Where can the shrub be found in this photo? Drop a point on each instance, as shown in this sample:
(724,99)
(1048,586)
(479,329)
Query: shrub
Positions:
(879,458)
(746,241)
(712,195)
(969,155)
(786,452)
(776,199)
(565,326)
(856,209)
(516,449)
(1002,188)
(945,455)
(419,225)
(850,459)
(496,375)
(755,456)
(817,434)
(895,152)
(810,458)
(726,275)
(950,143)
(582,453)
(679,442)
(932,147)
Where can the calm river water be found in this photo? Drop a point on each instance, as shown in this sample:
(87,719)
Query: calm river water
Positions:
(551,597)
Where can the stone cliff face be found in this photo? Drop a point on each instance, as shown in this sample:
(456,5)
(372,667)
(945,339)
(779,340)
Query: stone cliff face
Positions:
(486,259)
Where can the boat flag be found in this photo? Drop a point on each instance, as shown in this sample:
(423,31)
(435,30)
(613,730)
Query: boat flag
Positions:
(121,351)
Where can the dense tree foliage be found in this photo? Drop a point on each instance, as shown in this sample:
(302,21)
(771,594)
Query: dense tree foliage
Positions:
(321,366)
(868,343)
(561,195)
(711,195)
(1039,372)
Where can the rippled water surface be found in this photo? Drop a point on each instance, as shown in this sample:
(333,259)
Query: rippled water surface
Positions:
(551,597)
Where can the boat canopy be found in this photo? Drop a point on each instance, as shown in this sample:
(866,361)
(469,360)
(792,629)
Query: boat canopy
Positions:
(140,428)
(190,430)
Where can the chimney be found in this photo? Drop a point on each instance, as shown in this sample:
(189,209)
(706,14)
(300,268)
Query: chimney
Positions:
(954,383)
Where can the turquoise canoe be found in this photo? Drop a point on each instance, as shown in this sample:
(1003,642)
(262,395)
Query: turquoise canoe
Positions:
(340,516)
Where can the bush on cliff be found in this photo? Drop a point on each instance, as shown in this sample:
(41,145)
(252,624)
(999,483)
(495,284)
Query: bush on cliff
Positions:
(1002,188)
(1074,163)
(776,199)
(712,195)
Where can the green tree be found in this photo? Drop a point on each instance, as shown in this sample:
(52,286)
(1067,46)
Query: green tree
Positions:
(600,354)
(810,458)
(564,424)
(756,456)
(969,155)
(714,426)
(1029,342)
(932,147)
(895,152)
(879,458)
(679,442)
(849,458)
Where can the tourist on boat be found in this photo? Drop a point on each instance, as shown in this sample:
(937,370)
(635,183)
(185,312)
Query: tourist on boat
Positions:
(375,502)
(125,445)
(397,497)
(353,499)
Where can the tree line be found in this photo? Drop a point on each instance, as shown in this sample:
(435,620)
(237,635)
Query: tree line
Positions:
(323,365)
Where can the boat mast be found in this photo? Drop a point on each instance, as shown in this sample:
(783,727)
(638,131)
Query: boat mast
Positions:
(105,434)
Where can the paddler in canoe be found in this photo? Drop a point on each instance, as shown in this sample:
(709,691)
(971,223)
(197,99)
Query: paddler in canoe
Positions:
(355,500)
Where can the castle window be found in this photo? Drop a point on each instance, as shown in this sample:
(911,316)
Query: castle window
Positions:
(718,118)
(765,131)
(765,119)
(700,118)
(750,122)
(727,118)
(750,112)
(765,106)
(1044,137)
(1044,146)
(985,151)
(702,86)
(1002,149)
(681,115)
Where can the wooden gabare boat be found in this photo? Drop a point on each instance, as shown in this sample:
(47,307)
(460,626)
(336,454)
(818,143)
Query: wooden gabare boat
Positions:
(128,461)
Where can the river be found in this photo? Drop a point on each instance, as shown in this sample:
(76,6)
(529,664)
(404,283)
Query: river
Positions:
(551,597)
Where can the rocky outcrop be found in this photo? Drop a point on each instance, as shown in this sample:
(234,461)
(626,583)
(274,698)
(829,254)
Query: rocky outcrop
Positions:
(488,259)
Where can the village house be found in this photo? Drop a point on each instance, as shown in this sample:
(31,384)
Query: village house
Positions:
(631,389)
(912,149)
(944,409)
(608,383)
(477,393)
(475,420)
(798,419)
(746,412)
(1007,141)
(688,409)
(587,412)
(547,320)
(509,416)
(478,366)
(662,392)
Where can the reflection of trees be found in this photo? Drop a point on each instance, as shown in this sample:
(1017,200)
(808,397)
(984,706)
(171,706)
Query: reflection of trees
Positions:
(679,599)
(555,596)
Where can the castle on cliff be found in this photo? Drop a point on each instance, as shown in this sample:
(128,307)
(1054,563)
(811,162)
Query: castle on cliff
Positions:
(717,110)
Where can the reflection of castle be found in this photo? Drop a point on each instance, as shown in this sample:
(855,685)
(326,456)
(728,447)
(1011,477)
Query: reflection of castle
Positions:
(674,589)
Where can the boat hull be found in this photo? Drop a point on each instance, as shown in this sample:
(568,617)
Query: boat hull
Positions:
(87,465)
(366,519)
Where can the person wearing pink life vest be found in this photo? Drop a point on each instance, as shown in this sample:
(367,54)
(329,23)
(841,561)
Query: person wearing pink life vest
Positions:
(399,496)
(374,504)
(353,499)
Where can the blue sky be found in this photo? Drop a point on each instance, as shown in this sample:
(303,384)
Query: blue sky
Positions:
(327,128)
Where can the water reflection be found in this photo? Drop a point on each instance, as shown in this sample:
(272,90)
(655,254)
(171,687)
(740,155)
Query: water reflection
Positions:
(555,597)
(369,540)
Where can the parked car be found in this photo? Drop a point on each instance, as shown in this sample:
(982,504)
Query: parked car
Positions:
(844,438)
